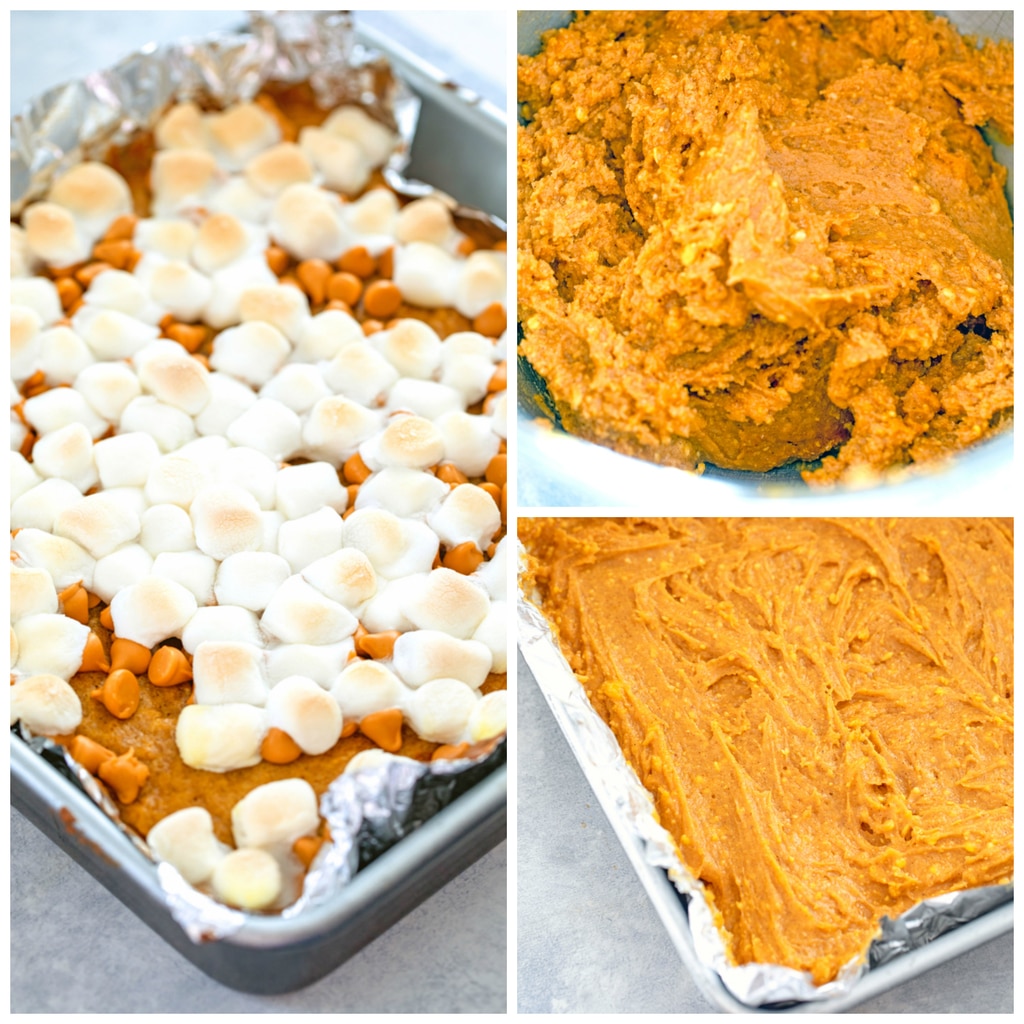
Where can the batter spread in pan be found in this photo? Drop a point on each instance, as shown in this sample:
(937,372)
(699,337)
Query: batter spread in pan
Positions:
(821,709)
(753,238)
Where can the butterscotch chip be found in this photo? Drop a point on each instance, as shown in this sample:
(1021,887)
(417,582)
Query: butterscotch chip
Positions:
(94,658)
(119,694)
(463,558)
(499,380)
(279,748)
(277,259)
(345,287)
(129,655)
(190,337)
(449,473)
(306,848)
(386,264)
(126,775)
(123,228)
(377,645)
(497,470)
(69,291)
(372,327)
(169,667)
(85,275)
(382,299)
(358,261)
(450,752)
(384,728)
(116,253)
(106,620)
(356,471)
(88,753)
(313,276)
(464,248)
(492,321)
(494,491)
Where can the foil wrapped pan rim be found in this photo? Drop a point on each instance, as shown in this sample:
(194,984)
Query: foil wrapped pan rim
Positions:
(621,793)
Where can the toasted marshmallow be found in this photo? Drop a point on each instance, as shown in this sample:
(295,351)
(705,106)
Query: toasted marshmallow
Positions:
(337,427)
(175,480)
(386,609)
(176,379)
(467,514)
(186,841)
(180,289)
(250,579)
(425,220)
(439,711)
(108,388)
(229,398)
(321,663)
(229,672)
(280,305)
(300,614)
(63,559)
(46,704)
(39,506)
(269,427)
(50,644)
(32,593)
(61,407)
(325,335)
(372,216)
(304,710)
(247,879)
(340,162)
(192,569)
(426,275)
(221,240)
(469,441)
(425,654)
(95,195)
(297,385)
(62,355)
(368,760)
(223,623)
(253,352)
(306,488)
(111,334)
(23,475)
(409,442)
(182,180)
(491,575)
(129,564)
(53,235)
(346,576)
(480,281)
(467,364)
(125,460)
(360,373)
(166,528)
(67,453)
(226,520)
(489,718)
(492,632)
(239,199)
(228,285)
(239,133)
(168,426)
(123,292)
(98,523)
(306,221)
(376,141)
(449,602)
(276,168)
(172,238)
(424,398)
(411,347)
(152,610)
(408,493)
(38,293)
(307,538)
(365,687)
(220,737)
(396,547)
(26,327)
(275,814)
(181,128)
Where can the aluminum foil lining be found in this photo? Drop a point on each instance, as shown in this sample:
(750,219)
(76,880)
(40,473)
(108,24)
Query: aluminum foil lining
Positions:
(369,811)
(612,777)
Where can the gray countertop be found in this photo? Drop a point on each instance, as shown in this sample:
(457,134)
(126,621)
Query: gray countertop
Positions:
(589,940)
(74,946)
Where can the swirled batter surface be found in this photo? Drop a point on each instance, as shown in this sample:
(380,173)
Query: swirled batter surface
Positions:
(821,709)
(753,238)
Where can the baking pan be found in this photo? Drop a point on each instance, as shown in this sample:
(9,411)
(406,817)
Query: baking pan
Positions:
(274,954)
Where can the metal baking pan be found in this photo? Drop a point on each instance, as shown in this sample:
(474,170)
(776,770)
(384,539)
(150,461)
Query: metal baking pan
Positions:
(272,955)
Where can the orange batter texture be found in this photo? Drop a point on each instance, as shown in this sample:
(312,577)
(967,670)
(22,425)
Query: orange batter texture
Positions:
(753,238)
(821,709)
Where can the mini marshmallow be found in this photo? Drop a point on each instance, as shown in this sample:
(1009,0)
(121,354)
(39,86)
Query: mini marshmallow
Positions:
(307,538)
(180,289)
(276,168)
(108,388)
(439,711)
(99,523)
(238,134)
(237,198)
(173,480)
(32,593)
(306,712)
(247,879)
(253,352)
(168,426)
(360,373)
(172,239)
(411,347)
(220,737)
(39,506)
(63,559)
(426,275)
(306,221)
(229,398)
(169,373)
(61,407)
(376,141)
(226,520)
(95,195)
(325,335)
(125,460)
(250,579)
(38,293)
(491,574)
(152,610)
(396,547)
(469,513)
(469,441)
(207,452)
(19,433)
(499,415)
(23,475)
(46,705)
(271,527)
(186,841)
(492,632)
(408,493)
(280,305)
(251,470)
(275,814)
(480,281)
(386,609)
(409,442)
(192,569)
(297,385)
(336,427)
(62,355)
(22,263)
(123,292)
(124,567)
(111,334)
(425,220)
(341,163)
(269,427)
(129,498)
(321,663)
(425,398)
(489,718)
(221,240)
(374,214)
(346,576)
(306,488)
(365,687)
(228,285)
(26,328)
(425,654)
(50,644)
(181,128)
(229,672)
(467,364)
(447,601)
(368,760)
(166,528)
(67,453)
(300,614)
(183,179)
(223,623)
(53,235)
